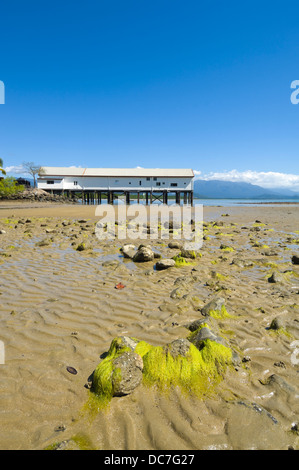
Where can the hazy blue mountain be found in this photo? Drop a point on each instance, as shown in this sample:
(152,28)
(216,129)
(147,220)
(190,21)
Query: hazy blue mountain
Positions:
(228,189)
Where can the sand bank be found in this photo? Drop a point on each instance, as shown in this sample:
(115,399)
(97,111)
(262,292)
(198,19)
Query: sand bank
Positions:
(59,308)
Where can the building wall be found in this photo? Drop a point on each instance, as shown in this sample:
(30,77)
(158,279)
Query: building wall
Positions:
(116,183)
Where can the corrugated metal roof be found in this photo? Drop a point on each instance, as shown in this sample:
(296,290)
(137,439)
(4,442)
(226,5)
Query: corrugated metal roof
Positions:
(126,172)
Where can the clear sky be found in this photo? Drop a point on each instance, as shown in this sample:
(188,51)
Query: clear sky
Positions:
(160,83)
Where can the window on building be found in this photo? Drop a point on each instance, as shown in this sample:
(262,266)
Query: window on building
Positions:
(173,185)
(155,179)
(50,182)
(158,184)
(140,183)
(75,183)
(148,178)
(116,181)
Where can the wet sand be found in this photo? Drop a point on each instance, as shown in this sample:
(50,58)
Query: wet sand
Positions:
(59,308)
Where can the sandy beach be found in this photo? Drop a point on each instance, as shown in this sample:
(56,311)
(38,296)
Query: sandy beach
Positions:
(60,309)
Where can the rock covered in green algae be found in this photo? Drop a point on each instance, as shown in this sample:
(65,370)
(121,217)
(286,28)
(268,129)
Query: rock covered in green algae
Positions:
(120,372)
(127,373)
(276,277)
(215,305)
(177,364)
(204,333)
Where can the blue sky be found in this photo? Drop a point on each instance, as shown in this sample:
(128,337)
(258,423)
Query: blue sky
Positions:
(199,84)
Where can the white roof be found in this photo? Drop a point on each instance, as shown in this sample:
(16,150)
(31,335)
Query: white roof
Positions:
(114,172)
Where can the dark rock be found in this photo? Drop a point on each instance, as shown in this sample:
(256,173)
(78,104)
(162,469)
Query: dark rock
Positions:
(276,277)
(175,244)
(143,254)
(295,259)
(196,324)
(164,264)
(203,334)
(215,304)
(277,323)
(185,253)
(243,263)
(127,373)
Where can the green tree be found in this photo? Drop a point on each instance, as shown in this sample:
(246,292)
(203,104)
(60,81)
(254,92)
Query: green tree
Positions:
(9,187)
(1,169)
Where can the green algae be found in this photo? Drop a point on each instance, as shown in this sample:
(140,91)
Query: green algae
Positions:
(194,371)
(220,314)
(180,261)
(194,333)
(220,277)
(227,248)
(197,372)
(76,442)
(281,332)
(106,373)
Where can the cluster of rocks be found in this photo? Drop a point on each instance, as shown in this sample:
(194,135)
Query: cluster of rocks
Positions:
(39,195)
(145,253)
(127,364)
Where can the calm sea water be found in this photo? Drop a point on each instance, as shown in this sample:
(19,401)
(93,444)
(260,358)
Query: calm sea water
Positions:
(221,202)
(243,202)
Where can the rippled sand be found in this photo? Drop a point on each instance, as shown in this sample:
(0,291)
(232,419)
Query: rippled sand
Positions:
(59,308)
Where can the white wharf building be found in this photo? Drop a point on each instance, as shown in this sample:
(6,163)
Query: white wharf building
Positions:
(93,184)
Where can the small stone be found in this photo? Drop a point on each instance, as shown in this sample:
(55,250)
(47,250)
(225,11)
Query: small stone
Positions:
(246,359)
(81,247)
(174,245)
(128,251)
(43,243)
(143,254)
(280,364)
(276,277)
(295,259)
(277,323)
(185,253)
(60,428)
(164,264)
(215,304)
(196,324)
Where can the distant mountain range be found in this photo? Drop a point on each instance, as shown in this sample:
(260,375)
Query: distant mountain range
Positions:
(216,189)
